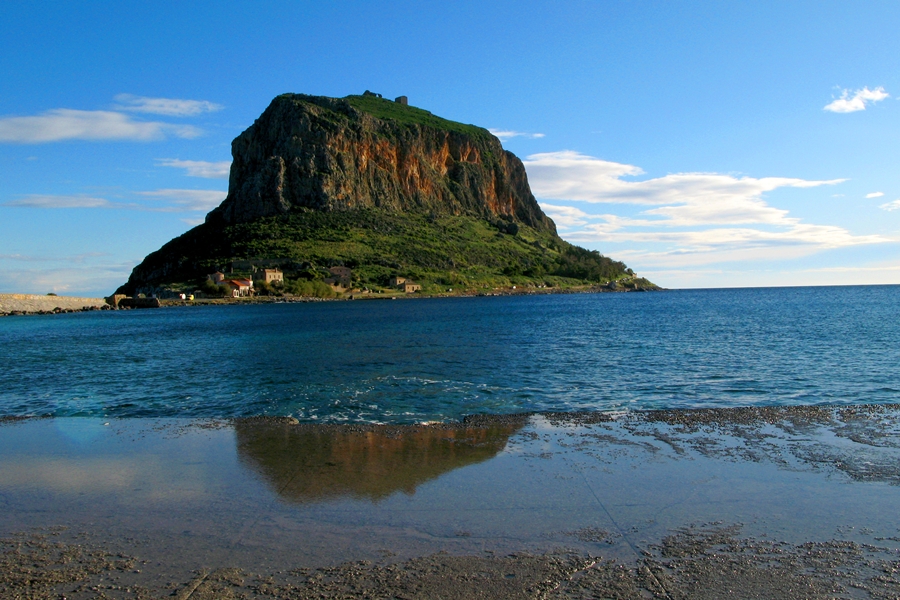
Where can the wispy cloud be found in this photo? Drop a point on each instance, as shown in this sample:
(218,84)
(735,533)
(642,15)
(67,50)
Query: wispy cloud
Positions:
(74,259)
(848,103)
(52,201)
(751,275)
(875,195)
(505,134)
(187,200)
(895,205)
(199,168)
(566,217)
(570,175)
(90,280)
(64,124)
(170,107)
(686,219)
(90,274)
(164,200)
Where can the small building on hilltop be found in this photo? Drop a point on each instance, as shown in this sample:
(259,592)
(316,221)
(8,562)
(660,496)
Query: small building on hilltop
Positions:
(340,275)
(406,285)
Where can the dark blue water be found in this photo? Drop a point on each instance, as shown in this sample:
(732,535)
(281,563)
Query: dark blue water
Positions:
(440,359)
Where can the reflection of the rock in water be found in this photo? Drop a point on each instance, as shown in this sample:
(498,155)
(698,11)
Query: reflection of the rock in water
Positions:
(309,462)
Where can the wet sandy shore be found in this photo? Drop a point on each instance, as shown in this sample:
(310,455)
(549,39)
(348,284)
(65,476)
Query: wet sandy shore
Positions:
(740,503)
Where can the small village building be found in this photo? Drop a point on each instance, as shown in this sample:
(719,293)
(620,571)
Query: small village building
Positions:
(217,277)
(406,285)
(268,275)
(341,276)
(239,287)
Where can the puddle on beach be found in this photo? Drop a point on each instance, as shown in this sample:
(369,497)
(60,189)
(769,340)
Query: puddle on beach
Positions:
(176,501)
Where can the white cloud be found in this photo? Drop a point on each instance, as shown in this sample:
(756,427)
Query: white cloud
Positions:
(199,168)
(875,195)
(170,107)
(187,200)
(91,274)
(569,175)
(164,200)
(565,216)
(90,281)
(75,259)
(858,101)
(824,235)
(895,205)
(51,201)
(505,134)
(686,219)
(66,124)
(773,275)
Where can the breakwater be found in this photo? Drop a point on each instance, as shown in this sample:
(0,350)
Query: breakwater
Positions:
(13,304)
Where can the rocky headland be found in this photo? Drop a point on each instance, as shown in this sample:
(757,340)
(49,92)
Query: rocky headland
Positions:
(385,190)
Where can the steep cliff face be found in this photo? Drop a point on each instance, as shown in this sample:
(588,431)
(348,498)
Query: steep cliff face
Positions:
(334,154)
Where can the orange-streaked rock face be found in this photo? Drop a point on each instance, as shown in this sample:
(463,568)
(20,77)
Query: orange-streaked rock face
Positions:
(321,153)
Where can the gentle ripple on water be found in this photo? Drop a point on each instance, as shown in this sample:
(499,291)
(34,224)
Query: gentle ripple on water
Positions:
(440,359)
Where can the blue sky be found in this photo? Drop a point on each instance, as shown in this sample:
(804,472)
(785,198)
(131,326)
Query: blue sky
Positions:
(706,144)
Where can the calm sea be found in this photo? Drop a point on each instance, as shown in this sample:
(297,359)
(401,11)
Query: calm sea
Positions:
(440,359)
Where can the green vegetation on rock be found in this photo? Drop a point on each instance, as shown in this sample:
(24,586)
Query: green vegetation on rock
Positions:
(438,252)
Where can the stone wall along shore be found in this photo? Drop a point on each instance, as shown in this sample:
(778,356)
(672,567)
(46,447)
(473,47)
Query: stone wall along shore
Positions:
(32,303)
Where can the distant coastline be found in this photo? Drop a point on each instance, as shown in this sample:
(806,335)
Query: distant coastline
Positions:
(35,304)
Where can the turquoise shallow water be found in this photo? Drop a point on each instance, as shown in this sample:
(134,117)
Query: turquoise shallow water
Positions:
(440,359)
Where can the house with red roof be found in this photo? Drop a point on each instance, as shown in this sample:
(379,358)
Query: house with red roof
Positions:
(239,287)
